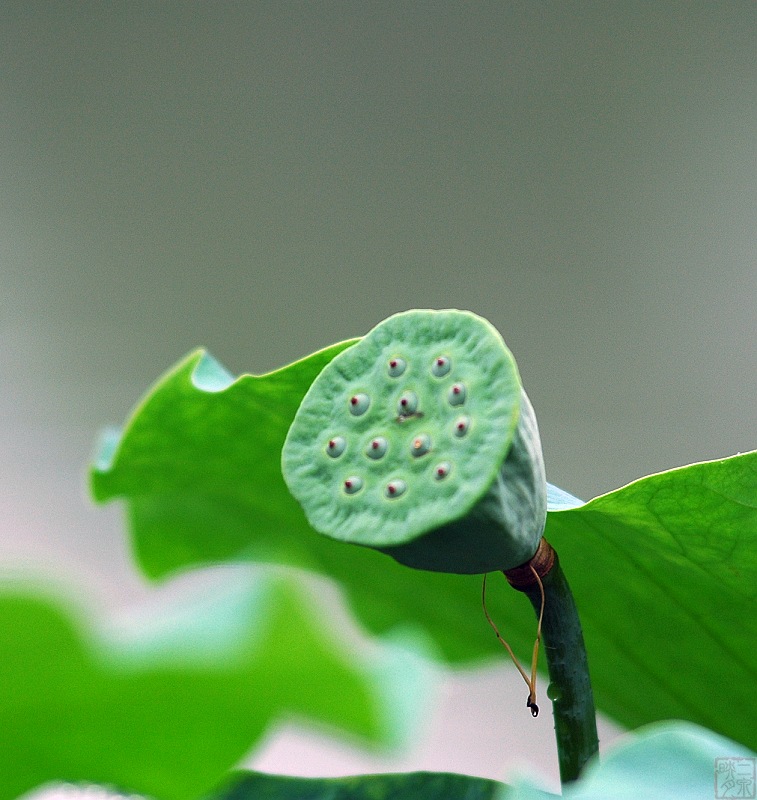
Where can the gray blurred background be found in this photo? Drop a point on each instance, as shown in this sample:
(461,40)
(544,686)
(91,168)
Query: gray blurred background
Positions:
(265,178)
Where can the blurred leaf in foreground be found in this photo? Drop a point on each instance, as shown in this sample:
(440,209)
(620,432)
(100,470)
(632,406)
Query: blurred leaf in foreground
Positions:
(403,786)
(169,709)
(658,762)
(662,761)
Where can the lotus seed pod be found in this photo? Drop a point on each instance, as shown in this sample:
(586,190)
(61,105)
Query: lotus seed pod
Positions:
(439,462)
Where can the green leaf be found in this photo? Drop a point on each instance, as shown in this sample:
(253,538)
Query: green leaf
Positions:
(665,576)
(664,570)
(202,453)
(166,708)
(411,785)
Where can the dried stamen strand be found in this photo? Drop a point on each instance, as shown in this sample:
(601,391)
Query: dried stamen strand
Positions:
(530,681)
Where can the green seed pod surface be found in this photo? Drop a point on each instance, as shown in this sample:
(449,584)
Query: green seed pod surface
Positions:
(406,442)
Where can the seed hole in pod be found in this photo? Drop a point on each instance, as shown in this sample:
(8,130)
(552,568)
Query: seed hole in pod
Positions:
(396,367)
(462,424)
(421,444)
(441,366)
(408,404)
(456,395)
(353,484)
(336,446)
(395,489)
(376,447)
(442,470)
(359,404)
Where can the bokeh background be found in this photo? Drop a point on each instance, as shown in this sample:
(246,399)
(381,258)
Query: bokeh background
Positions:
(265,178)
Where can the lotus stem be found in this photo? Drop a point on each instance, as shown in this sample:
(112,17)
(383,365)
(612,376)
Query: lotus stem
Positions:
(570,685)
